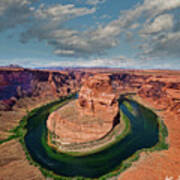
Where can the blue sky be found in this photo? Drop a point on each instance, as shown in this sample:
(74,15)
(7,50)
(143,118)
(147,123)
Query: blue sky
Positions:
(142,34)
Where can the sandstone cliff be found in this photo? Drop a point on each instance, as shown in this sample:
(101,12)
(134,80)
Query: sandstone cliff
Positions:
(97,97)
(89,118)
(20,83)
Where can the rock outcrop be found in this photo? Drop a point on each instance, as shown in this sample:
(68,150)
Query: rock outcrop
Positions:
(19,83)
(89,118)
(97,98)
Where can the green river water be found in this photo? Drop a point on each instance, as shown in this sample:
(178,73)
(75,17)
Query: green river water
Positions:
(144,134)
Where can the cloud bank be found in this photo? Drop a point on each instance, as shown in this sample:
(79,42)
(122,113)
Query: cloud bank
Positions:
(154,23)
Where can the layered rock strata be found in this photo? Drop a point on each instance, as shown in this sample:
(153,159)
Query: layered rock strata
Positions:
(89,118)
(21,83)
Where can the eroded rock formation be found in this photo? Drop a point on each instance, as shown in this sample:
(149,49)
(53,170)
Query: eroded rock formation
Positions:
(97,98)
(19,83)
(89,118)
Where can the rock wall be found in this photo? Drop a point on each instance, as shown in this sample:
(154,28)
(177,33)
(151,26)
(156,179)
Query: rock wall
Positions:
(161,88)
(68,127)
(19,83)
(98,98)
(16,83)
(91,117)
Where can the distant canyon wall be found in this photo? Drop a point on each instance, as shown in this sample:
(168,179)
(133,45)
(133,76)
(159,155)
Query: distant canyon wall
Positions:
(19,83)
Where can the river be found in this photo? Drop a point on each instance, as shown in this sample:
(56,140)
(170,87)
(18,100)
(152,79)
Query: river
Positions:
(144,134)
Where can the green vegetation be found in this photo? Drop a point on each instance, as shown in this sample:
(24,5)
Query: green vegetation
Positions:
(116,138)
(161,145)
(8,139)
(163,132)
(20,132)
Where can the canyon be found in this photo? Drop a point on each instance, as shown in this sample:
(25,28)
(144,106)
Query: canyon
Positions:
(22,90)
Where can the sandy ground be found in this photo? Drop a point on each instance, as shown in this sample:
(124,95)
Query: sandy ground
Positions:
(14,165)
(13,162)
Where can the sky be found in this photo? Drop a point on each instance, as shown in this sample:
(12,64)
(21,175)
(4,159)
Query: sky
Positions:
(141,34)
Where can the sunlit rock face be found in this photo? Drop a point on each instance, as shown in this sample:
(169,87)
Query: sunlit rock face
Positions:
(92,116)
(97,98)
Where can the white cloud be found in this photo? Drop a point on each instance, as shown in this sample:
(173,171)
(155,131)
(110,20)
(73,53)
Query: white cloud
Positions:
(116,62)
(130,20)
(95,2)
(158,17)
(60,13)
(64,52)
(148,10)
(47,23)
(134,26)
(121,62)
(160,23)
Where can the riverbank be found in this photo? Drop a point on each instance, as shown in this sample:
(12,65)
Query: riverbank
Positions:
(130,164)
(119,169)
(21,131)
(164,163)
(83,149)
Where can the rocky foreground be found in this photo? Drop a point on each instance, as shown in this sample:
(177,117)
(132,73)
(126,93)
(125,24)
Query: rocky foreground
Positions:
(91,117)
(22,90)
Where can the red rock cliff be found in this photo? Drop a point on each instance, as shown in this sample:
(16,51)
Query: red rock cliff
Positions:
(19,83)
(91,117)
(97,98)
